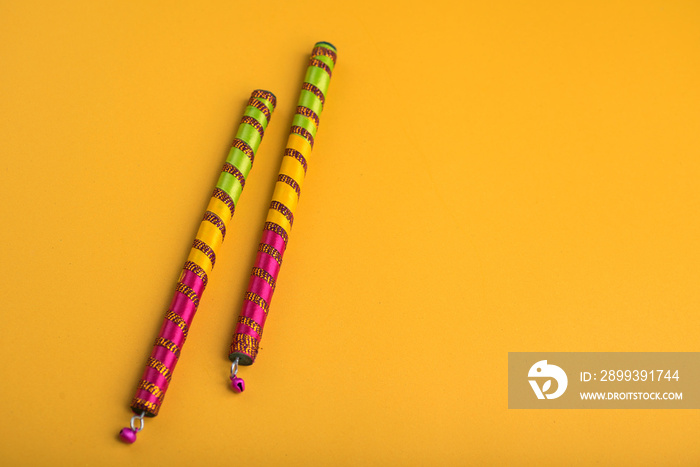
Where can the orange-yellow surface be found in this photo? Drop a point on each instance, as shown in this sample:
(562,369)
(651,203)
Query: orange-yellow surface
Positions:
(488,177)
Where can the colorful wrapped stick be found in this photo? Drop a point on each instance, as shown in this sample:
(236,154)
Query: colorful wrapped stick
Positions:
(200,262)
(280,217)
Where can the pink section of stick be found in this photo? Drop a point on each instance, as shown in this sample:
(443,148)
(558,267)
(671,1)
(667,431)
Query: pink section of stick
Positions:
(259,286)
(254,312)
(274,240)
(183,306)
(164,356)
(244,329)
(153,376)
(192,281)
(148,397)
(173,333)
(267,263)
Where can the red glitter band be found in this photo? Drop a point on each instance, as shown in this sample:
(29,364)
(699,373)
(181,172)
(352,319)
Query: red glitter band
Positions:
(308,113)
(188,292)
(318,63)
(194,268)
(291,182)
(255,103)
(206,249)
(284,210)
(296,155)
(257,299)
(192,281)
(276,229)
(216,220)
(221,195)
(177,321)
(255,124)
(303,132)
(275,241)
(264,275)
(251,324)
(325,52)
(268,263)
(160,368)
(168,344)
(254,312)
(267,249)
(233,170)
(244,147)
(316,91)
(153,389)
(267,95)
(289,152)
(245,344)
(139,405)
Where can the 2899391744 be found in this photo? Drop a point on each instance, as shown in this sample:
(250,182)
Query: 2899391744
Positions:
(631,375)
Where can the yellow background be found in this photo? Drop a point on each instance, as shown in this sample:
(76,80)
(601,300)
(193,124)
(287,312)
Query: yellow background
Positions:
(488,177)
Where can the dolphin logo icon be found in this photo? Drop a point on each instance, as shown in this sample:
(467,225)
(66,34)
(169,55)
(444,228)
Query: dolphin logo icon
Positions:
(542,370)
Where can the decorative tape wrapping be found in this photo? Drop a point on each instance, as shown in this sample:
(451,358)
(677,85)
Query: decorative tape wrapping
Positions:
(194,277)
(256,303)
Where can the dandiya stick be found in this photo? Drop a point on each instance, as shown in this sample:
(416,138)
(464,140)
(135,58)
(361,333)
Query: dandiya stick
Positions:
(280,217)
(200,262)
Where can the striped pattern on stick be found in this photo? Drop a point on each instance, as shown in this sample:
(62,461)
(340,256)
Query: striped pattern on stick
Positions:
(161,363)
(280,217)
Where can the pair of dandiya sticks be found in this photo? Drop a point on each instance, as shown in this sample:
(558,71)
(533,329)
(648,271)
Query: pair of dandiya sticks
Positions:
(212,230)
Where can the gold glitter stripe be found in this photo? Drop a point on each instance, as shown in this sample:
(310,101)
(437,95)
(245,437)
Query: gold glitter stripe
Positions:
(140,405)
(267,95)
(316,91)
(304,133)
(168,344)
(177,321)
(308,113)
(243,146)
(251,324)
(291,182)
(233,170)
(184,289)
(206,249)
(264,275)
(216,220)
(255,124)
(267,249)
(221,195)
(257,299)
(325,52)
(245,344)
(284,210)
(296,155)
(272,227)
(255,103)
(153,389)
(198,271)
(320,64)
(160,368)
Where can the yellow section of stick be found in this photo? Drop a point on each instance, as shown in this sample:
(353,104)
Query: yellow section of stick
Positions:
(219,208)
(279,219)
(300,144)
(286,195)
(201,260)
(211,235)
(293,168)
